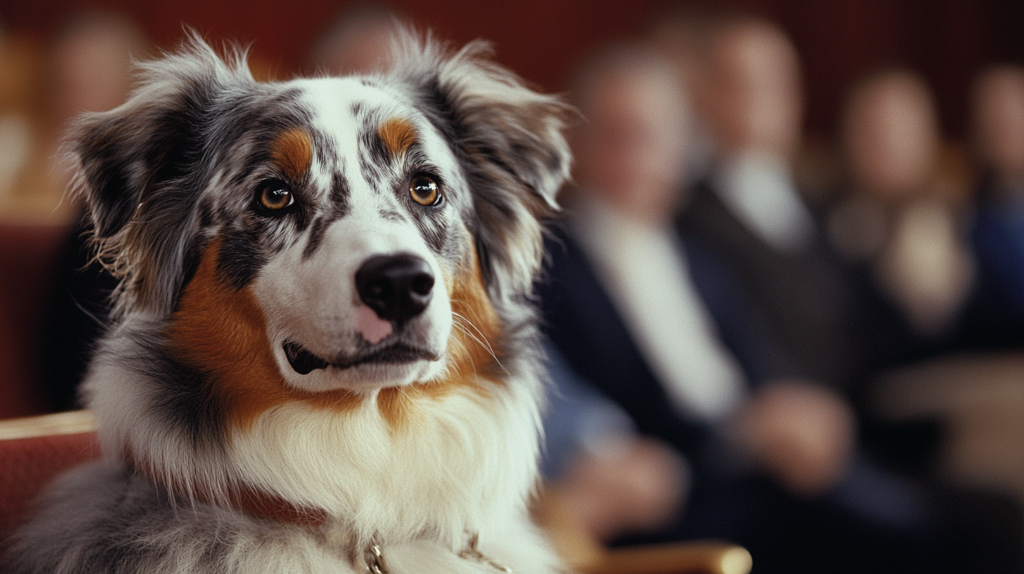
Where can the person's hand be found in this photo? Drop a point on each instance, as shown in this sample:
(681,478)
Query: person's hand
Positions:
(802,434)
(635,485)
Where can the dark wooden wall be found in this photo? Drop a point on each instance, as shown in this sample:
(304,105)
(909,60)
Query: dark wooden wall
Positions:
(947,40)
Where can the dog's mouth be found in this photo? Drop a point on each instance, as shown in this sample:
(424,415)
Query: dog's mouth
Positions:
(303,361)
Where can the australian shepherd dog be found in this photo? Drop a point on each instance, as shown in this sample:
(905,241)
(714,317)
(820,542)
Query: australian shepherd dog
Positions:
(324,357)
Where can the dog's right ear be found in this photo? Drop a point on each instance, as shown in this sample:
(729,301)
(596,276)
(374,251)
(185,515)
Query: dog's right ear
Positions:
(137,165)
(121,155)
(118,154)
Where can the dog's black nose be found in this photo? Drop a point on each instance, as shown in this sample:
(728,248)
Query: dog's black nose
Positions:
(396,287)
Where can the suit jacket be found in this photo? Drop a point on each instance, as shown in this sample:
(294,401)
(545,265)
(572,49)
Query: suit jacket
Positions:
(583,323)
(810,299)
(995,315)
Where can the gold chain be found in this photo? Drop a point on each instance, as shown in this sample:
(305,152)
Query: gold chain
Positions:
(471,552)
(376,564)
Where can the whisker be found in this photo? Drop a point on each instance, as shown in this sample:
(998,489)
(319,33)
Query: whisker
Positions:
(462,346)
(479,337)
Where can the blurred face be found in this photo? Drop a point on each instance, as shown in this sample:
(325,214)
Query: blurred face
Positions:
(754,101)
(91,67)
(631,148)
(364,47)
(999,121)
(892,136)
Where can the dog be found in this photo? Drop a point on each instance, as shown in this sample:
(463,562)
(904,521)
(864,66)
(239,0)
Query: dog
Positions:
(324,357)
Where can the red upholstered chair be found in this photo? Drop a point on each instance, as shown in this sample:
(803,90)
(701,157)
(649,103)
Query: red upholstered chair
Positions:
(34,450)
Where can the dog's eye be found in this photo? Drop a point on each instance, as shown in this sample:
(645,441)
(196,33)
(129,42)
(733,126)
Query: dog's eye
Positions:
(424,190)
(274,196)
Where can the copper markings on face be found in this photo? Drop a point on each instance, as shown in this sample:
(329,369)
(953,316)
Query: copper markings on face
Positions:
(397,134)
(474,345)
(292,152)
(222,331)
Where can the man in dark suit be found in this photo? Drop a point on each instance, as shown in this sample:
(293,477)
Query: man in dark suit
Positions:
(748,210)
(668,330)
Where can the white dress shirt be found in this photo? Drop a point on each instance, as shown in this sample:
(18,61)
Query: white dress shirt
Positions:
(643,268)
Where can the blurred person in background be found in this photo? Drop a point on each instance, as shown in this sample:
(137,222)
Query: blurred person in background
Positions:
(664,328)
(750,211)
(897,220)
(905,222)
(997,233)
(18,129)
(748,208)
(358,41)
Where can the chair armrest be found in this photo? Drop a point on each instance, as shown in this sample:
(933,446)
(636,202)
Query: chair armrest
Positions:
(683,557)
(33,451)
(587,555)
(71,422)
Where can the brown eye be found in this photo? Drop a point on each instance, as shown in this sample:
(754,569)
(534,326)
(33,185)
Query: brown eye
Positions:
(424,190)
(274,196)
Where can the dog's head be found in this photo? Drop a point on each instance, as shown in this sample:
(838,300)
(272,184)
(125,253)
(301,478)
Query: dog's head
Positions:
(340,234)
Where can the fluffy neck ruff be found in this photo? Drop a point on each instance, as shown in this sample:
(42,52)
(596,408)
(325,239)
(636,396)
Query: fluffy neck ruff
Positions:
(244,499)
(465,462)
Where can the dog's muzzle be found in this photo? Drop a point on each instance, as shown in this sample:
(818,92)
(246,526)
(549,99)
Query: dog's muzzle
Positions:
(397,287)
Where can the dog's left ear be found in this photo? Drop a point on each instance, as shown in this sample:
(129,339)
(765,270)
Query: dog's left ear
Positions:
(509,141)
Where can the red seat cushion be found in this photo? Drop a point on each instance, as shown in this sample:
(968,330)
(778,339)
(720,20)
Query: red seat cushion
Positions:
(27,465)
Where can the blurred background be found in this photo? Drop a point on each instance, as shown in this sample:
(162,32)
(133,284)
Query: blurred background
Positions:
(885,138)
(946,40)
